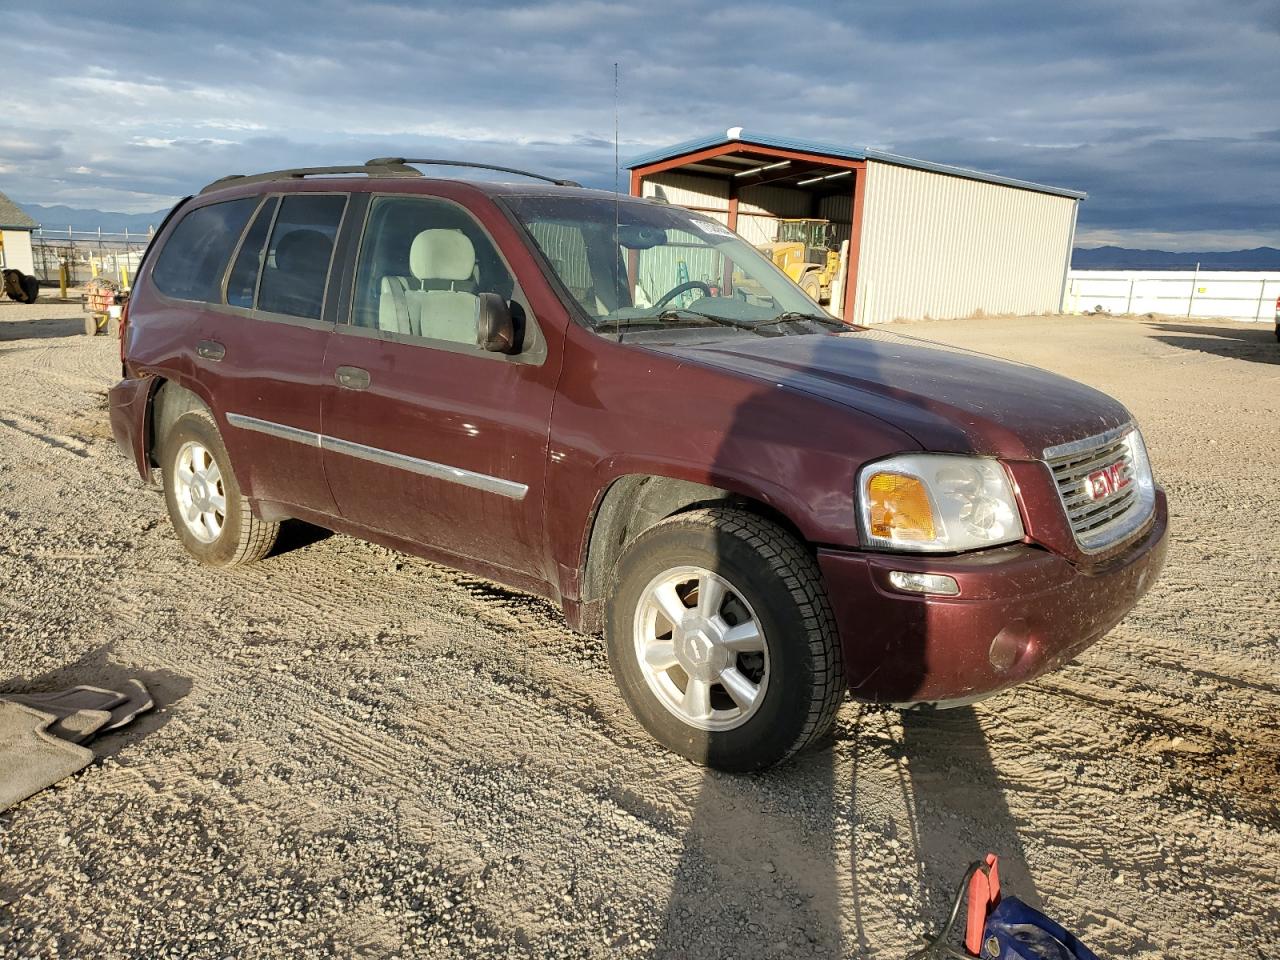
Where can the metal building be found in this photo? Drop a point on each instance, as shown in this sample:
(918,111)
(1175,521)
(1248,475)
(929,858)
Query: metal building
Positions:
(924,239)
(15,237)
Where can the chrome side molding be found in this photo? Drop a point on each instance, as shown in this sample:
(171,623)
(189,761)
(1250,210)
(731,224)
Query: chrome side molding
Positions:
(271,429)
(427,468)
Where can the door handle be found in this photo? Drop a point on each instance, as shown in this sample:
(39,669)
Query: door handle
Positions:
(352,378)
(210,350)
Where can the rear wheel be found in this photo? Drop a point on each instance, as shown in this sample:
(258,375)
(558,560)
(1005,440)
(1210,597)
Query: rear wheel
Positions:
(812,287)
(210,515)
(722,641)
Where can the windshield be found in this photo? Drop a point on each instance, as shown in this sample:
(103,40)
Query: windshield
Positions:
(657,266)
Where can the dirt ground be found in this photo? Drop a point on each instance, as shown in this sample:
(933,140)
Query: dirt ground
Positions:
(363,754)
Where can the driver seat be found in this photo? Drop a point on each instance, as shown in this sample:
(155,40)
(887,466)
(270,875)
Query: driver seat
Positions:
(444,307)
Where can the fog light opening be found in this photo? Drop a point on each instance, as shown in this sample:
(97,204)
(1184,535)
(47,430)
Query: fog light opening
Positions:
(1009,646)
(935,583)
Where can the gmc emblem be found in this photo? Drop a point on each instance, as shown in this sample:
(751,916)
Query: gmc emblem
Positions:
(1110,479)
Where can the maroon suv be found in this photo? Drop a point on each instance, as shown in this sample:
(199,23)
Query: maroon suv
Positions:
(622,406)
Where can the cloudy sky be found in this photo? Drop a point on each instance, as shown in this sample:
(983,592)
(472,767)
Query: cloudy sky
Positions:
(1167,113)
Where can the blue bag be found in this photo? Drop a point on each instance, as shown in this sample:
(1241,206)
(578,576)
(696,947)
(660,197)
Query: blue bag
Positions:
(1015,931)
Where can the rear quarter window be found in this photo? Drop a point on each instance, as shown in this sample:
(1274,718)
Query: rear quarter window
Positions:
(194,258)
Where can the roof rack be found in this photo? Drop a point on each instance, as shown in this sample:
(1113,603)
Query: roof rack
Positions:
(377,167)
(401,161)
(372,169)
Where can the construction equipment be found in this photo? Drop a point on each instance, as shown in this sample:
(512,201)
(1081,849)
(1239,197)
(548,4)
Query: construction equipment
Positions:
(103,304)
(807,253)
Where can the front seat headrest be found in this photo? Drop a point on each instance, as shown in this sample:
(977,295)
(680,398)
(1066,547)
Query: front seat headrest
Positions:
(442,255)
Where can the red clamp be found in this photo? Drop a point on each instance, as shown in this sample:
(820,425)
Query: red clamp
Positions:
(984,895)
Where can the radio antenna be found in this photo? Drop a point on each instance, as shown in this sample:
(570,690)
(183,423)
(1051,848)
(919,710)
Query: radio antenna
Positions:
(617,214)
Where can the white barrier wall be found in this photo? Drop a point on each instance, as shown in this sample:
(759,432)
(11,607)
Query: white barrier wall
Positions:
(15,251)
(1237,295)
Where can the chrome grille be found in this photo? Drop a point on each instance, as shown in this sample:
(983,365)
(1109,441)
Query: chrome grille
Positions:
(1101,521)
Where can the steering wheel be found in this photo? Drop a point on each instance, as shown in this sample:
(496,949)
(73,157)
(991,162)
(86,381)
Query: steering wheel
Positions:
(676,291)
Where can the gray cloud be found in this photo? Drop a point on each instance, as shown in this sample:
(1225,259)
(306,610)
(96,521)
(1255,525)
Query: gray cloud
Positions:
(1163,111)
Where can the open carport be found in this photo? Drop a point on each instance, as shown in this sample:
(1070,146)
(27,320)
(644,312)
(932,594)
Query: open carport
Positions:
(920,239)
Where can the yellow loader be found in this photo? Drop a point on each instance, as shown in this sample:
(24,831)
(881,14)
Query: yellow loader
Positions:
(803,251)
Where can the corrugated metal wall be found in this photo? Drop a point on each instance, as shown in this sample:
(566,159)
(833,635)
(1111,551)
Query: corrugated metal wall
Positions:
(689,190)
(943,246)
(839,210)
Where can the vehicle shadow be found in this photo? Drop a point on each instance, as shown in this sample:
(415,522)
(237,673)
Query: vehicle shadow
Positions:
(913,797)
(40,328)
(956,793)
(297,534)
(1256,342)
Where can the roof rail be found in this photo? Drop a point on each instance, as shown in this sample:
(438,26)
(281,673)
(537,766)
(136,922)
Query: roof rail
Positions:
(401,161)
(388,168)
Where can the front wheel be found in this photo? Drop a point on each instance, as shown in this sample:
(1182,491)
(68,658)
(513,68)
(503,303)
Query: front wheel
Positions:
(722,641)
(210,515)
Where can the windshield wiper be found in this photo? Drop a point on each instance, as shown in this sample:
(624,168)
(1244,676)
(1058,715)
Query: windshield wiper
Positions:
(791,316)
(684,313)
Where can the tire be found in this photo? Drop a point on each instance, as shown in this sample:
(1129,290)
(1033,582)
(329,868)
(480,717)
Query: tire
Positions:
(197,472)
(772,586)
(812,288)
(30,288)
(13,286)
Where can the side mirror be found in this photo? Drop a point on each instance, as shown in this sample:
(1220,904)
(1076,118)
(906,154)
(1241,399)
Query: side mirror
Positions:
(495,326)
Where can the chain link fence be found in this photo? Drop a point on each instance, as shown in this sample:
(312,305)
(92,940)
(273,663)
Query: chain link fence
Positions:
(87,254)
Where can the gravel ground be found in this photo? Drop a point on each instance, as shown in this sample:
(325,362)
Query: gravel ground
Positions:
(363,754)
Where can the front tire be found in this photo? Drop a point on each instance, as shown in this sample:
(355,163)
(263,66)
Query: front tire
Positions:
(812,287)
(208,512)
(722,641)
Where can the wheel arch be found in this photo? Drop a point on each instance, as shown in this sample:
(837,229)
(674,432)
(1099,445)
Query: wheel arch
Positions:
(168,401)
(632,504)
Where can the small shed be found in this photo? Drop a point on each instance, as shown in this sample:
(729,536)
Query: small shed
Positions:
(924,239)
(15,237)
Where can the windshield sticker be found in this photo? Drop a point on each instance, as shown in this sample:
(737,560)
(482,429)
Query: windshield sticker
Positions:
(712,228)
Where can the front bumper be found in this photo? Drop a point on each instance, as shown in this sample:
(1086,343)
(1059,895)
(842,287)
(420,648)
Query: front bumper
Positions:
(1021,611)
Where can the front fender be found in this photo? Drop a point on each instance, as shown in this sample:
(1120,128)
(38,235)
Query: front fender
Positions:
(624,410)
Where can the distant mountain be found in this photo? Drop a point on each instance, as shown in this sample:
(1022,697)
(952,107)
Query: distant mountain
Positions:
(1120,258)
(59,217)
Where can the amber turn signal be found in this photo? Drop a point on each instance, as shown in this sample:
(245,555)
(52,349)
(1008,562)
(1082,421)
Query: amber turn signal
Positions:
(900,508)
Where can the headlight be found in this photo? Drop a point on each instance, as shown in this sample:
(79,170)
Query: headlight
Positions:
(937,503)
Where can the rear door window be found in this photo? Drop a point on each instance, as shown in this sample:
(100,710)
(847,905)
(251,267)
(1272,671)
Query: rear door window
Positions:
(195,256)
(295,268)
(242,282)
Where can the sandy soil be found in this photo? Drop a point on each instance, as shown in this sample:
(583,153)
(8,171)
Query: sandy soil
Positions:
(363,754)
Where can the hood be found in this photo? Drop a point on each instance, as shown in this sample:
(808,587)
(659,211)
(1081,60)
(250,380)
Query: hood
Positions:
(948,399)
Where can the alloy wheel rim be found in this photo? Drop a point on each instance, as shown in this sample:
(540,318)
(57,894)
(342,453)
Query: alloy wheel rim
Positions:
(202,497)
(701,648)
